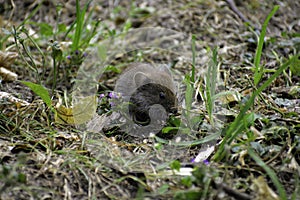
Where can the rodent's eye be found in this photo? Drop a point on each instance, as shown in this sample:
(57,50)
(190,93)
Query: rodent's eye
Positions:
(162,95)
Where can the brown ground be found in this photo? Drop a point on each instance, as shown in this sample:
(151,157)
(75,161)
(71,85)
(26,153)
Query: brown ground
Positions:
(41,159)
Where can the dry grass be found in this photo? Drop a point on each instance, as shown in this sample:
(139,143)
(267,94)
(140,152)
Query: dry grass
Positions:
(43,159)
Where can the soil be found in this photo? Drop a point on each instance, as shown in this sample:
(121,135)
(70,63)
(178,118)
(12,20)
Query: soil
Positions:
(43,159)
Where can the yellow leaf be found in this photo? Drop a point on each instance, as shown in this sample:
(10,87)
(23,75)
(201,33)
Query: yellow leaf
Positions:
(81,112)
(262,190)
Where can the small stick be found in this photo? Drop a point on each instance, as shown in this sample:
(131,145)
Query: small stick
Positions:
(236,10)
(233,193)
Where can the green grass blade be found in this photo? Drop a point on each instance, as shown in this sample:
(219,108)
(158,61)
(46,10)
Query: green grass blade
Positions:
(188,96)
(259,70)
(270,173)
(209,138)
(194,58)
(79,24)
(211,83)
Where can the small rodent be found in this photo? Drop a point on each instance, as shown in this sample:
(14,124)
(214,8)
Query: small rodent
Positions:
(143,85)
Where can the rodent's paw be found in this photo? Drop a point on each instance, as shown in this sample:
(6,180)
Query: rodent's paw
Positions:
(157,114)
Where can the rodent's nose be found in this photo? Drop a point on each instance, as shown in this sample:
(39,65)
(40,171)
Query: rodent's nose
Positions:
(173,110)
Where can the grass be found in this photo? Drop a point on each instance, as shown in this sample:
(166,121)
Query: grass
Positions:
(270,173)
(238,125)
(80,14)
(65,161)
(211,85)
(241,122)
(259,70)
(234,129)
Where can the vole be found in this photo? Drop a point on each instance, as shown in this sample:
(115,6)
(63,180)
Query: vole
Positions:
(143,85)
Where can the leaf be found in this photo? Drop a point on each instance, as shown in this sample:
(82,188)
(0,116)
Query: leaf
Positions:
(7,58)
(40,91)
(62,28)
(175,122)
(187,181)
(295,66)
(295,90)
(21,178)
(190,194)
(7,75)
(111,68)
(64,115)
(168,129)
(163,189)
(81,112)
(46,29)
(175,165)
(262,190)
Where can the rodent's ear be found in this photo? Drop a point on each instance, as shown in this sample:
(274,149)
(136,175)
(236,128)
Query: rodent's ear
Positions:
(141,78)
(165,69)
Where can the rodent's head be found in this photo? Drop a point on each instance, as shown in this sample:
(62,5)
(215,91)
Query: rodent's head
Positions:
(147,95)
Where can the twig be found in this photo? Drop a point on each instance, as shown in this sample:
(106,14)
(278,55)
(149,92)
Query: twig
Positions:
(238,12)
(234,193)
(277,155)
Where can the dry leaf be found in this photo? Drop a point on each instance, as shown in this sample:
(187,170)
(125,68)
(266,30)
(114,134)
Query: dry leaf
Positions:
(7,75)
(81,112)
(11,98)
(262,190)
(7,58)
(230,97)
